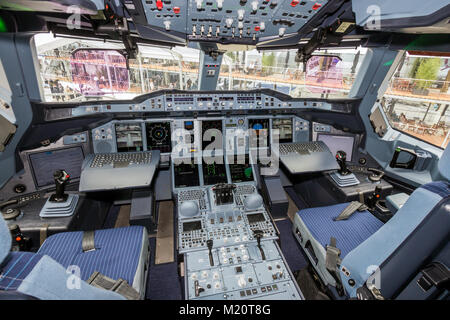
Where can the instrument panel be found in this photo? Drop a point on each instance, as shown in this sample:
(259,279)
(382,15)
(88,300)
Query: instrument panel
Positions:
(211,101)
(214,134)
(230,21)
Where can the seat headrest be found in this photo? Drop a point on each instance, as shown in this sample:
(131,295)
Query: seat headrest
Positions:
(444,163)
(5,239)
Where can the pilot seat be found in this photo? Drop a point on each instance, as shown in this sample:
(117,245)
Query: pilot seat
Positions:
(367,258)
(67,262)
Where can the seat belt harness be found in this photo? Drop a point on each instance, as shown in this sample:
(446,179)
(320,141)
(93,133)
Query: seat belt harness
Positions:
(119,286)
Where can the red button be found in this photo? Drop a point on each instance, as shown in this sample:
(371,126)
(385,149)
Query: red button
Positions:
(257,28)
(316,6)
(159,4)
(295,2)
(176,10)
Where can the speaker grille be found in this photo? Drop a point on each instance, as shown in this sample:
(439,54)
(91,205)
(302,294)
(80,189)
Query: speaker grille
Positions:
(103,147)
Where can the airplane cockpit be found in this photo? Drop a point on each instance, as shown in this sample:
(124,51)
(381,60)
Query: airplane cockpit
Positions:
(236,150)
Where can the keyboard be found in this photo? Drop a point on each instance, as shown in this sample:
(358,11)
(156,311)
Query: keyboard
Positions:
(306,157)
(121,160)
(116,171)
(302,148)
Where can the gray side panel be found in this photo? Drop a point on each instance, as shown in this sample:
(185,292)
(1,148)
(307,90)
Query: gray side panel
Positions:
(17,55)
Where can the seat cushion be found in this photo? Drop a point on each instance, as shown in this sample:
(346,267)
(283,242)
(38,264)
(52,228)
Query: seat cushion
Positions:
(15,268)
(348,233)
(117,255)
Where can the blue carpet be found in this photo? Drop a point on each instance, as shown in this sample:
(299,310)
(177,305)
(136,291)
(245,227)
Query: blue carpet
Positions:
(163,282)
(291,249)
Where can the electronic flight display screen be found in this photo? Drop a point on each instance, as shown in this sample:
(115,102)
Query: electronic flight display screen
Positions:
(129,137)
(214,171)
(43,164)
(240,169)
(158,136)
(213,131)
(192,226)
(285,129)
(186,175)
(260,136)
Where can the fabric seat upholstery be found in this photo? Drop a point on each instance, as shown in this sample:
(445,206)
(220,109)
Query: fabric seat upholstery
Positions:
(348,233)
(313,228)
(386,255)
(119,253)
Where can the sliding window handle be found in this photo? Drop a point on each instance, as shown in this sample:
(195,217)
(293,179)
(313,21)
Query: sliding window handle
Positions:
(404,165)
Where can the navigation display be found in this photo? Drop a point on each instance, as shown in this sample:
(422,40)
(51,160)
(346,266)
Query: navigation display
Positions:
(186,175)
(213,127)
(129,137)
(158,136)
(260,136)
(214,172)
(285,129)
(240,172)
(44,164)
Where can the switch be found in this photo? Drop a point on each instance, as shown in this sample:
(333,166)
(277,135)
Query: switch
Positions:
(199,4)
(254,6)
(240,25)
(229,22)
(262,26)
(220,4)
(282,32)
(202,30)
(194,30)
(241,14)
(217,31)
(210,31)
(167,25)
(316,6)
(159,5)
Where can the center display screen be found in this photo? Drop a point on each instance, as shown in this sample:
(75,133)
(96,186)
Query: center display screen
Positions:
(213,128)
(186,175)
(240,169)
(214,172)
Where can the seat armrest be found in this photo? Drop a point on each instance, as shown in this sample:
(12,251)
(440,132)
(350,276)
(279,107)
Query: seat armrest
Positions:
(396,201)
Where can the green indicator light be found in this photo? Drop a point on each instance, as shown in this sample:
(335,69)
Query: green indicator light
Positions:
(389,63)
(248,172)
(3,25)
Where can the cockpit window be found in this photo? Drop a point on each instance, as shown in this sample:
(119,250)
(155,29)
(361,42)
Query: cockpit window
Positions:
(68,76)
(278,70)
(418,97)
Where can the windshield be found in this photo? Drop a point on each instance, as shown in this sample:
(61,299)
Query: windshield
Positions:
(68,75)
(244,70)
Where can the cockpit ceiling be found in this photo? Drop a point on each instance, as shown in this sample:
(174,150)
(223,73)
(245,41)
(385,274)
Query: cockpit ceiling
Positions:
(266,24)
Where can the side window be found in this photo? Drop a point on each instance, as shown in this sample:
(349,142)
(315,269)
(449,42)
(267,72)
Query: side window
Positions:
(418,97)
